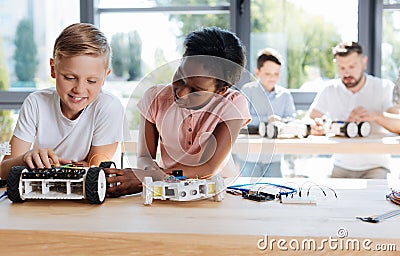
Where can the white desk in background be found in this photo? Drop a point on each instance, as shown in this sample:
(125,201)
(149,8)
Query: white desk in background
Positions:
(373,144)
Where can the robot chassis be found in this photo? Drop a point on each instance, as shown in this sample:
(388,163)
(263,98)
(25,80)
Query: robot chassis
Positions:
(177,188)
(64,182)
(301,130)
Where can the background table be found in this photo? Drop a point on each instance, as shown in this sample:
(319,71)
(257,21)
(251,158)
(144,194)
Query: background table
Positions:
(231,227)
(373,144)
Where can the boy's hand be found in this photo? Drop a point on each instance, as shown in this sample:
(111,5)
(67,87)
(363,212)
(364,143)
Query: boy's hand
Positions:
(42,158)
(317,128)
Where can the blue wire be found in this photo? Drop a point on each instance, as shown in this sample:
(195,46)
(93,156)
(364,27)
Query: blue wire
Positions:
(239,187)
(4,194)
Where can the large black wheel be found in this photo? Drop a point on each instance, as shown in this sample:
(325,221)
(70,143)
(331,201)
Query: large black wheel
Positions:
(14,184)
(351,129)
(364,129)
(95,185)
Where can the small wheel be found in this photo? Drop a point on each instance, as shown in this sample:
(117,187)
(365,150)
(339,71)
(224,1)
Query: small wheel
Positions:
(351,129)
(308,130)
(95,185)
(147,193)
(272,131)
(14,184)
(364,129)
(262,129)
(219,188)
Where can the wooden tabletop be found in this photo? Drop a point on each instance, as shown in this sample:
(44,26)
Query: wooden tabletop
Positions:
(231,227)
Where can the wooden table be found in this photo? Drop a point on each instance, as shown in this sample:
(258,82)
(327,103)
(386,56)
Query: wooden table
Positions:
(123,226)
(373,144)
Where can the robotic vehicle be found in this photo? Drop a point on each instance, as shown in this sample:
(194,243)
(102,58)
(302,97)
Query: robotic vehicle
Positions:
(178,188)
(348,129)
(284,129)
(301,130)
(63,182)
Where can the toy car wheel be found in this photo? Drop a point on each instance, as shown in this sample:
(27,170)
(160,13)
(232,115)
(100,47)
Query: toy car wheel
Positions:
(272,131)
(147,193)
(308,131)
(262,129)
(14,184)
(219,188)
(351,129)
(95,185)
(364,129)
(302,131)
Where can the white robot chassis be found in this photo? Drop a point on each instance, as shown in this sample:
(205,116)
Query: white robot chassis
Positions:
(64,182)
(301,130)
(182,189)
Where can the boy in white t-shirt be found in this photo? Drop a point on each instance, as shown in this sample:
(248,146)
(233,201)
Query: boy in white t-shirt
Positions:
(357,97)
(76,121)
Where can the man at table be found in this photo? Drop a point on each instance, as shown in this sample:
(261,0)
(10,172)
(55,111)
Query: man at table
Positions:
(356,96)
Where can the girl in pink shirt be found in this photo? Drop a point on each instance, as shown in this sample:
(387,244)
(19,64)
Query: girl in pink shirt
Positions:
(196,119)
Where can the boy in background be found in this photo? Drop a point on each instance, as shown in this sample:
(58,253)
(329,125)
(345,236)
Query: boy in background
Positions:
(268,102)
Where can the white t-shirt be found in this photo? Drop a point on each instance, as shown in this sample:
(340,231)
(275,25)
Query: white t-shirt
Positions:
(41,122)
(336,102)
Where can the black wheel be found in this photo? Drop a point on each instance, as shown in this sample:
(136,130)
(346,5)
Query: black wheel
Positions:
(364,129)
(14,184)
(351,129)
(272,131)
(308,130)
(95,185)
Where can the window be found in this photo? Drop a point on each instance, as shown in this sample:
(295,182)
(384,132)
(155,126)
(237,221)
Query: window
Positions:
(390,46)
(147,38)
(304,32)
(29,28)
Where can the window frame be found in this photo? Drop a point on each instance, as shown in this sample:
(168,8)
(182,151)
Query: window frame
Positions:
(369,25)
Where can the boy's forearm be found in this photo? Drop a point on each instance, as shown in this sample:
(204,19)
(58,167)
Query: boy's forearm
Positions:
(8,163)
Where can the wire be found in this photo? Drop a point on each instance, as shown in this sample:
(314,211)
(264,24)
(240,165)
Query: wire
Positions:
(394,197)
(91,159)
(241,187)
(323,191)
(4,194)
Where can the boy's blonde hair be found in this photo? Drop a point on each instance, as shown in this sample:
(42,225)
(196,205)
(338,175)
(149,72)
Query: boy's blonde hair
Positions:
(82,39)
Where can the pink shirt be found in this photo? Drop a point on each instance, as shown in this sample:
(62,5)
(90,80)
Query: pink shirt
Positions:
(183,131)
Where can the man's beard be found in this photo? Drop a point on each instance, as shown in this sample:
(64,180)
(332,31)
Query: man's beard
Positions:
(352,85)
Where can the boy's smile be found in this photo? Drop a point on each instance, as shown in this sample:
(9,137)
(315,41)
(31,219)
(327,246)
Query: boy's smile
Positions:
(78,81)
